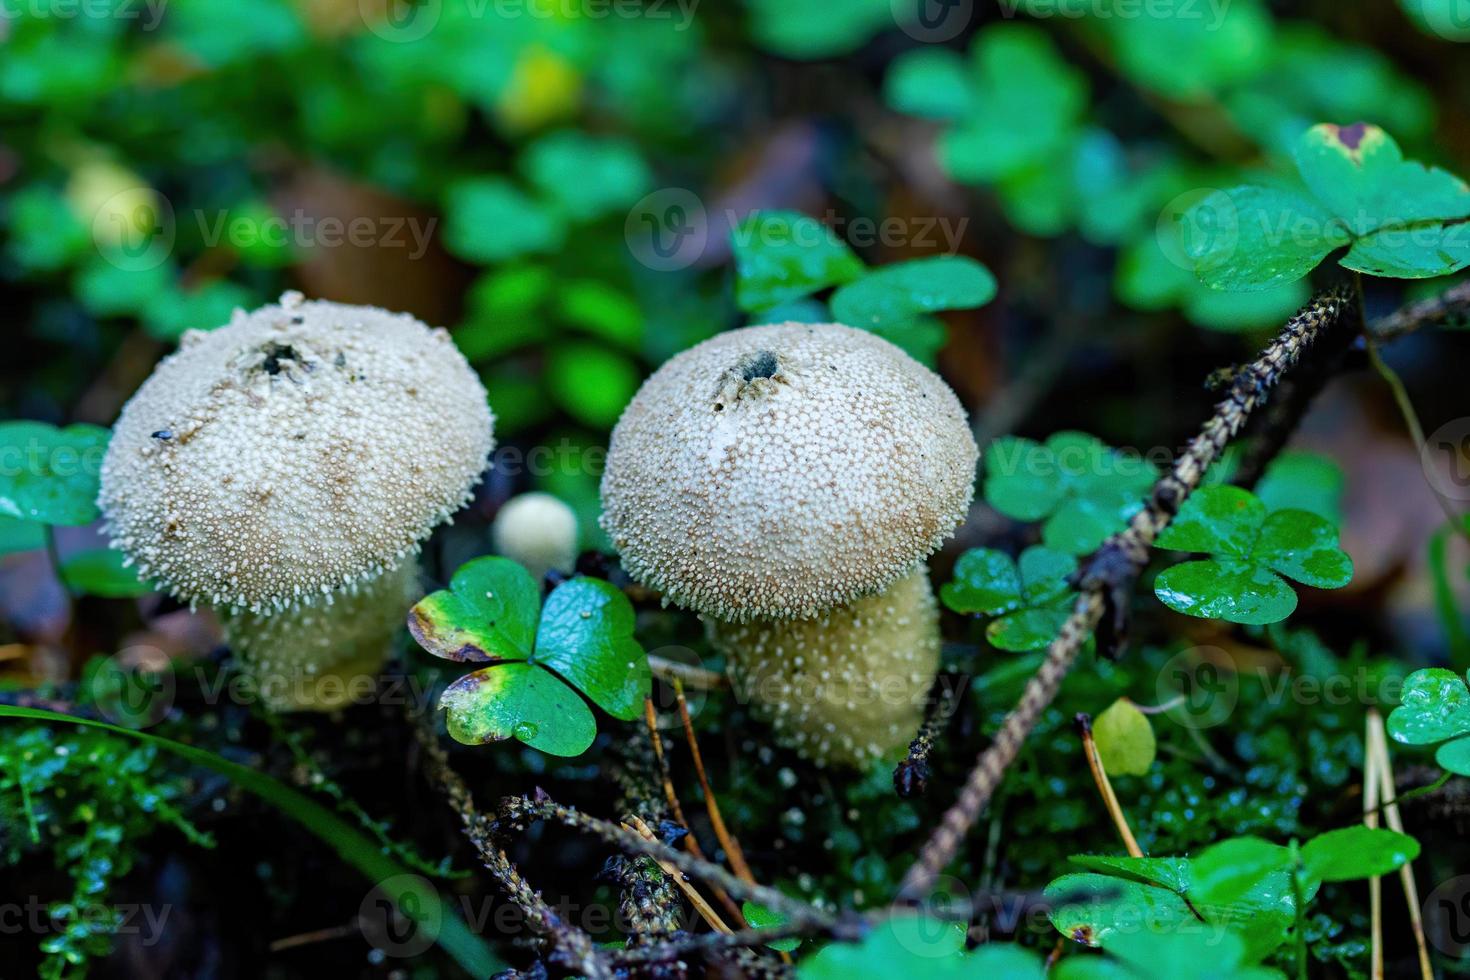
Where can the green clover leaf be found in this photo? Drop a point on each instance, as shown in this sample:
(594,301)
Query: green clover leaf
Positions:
(1082,488)
(48,474)
(1401,218)
(539,657)
(1303,481)
(1030,598)
(785,255)
(1243,885)
(1435,707)
(896,294)
(911,946)
(893,301)
(1252,549)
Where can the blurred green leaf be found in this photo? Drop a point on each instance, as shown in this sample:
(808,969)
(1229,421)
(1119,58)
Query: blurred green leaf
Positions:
(1298,480)
(1027,101)
(48,474)
(812,29)
(1356,852)
(44,232)
(1083,488)
(205,307)
(930,82)
(784,255)
(106,289)
(896,294)
(100,572)
(20,535)
(760,917)
(489,219)
(592,383)
(586,176)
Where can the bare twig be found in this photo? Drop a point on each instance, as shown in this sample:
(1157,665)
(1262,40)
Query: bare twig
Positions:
(690,892)
(733,853)
(572,947)
(696,677)
(911,778)
(521,810)
(1451,306)
(691,845)
(1105,786)
(1105,583)
(1378,748)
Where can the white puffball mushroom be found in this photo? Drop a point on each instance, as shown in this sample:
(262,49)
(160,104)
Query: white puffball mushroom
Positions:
(286,468)
(537,530)
(301,450)
(775,472)
(324,654)
(848,688)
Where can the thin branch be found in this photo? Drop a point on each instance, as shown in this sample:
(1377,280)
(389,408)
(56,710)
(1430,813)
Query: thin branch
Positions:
(519,811)
(1450,307)
(573,947)
(1105,584)
(1105,786)
(691,844)
(1379,748)
(733,853)
(696,677)
(697,900)
(911,778)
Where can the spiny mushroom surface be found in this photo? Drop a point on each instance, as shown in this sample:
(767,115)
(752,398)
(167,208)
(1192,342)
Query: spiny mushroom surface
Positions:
(774,472)
(318,655)
(302,449)
(845,689)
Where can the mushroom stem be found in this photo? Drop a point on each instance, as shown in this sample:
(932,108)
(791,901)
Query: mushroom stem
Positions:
(847,688)
(324,655)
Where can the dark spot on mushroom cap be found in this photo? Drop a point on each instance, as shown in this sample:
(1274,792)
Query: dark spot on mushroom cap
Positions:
(761,364)
(274,355)
(1352,136)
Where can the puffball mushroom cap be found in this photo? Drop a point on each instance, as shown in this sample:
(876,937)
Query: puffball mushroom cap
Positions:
(302,449)
(848,688)
(775,472)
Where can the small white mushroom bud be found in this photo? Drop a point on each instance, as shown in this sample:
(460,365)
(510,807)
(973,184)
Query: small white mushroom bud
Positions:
(848,688)
(537,530)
